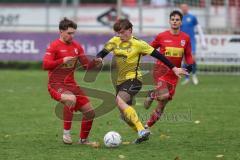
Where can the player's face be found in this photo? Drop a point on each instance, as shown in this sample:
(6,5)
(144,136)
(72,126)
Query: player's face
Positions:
(67,35)
(175,22)
(125,35)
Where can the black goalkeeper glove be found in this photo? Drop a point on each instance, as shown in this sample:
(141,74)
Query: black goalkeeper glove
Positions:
(189,68)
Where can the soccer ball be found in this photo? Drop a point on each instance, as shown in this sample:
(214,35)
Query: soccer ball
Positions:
(112,139)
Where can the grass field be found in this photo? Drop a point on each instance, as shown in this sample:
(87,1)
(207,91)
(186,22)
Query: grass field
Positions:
(29,128)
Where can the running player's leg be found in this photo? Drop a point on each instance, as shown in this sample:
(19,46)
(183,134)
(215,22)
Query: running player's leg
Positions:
(128,111)
(86,124)
(125,95)
(194,66)
(128,99)
(163,93)
(60,93)
(83,105)
(69,101)
(156,114)
(194,71)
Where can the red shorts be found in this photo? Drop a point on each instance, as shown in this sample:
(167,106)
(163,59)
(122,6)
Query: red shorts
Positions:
(56,90)
(164,88)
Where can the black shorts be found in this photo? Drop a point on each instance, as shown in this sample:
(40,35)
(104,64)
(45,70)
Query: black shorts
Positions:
(131,86)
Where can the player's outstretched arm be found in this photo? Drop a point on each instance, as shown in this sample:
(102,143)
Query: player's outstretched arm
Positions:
(162,58)
(99,58)
(103,53)
(178,71)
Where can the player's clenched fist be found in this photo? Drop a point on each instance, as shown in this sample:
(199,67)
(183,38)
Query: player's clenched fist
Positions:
(98,61)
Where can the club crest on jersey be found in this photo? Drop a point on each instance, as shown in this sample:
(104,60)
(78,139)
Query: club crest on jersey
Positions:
(76,50)
(59,90)
(189,19)
(183,43)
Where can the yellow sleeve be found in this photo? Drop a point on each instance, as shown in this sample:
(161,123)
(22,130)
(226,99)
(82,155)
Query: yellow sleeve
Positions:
(145,48)
(111,44)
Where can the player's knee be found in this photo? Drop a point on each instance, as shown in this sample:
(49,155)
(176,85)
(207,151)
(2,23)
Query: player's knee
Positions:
(122,98)
(72,99)
(162,95)
(118,100)
(89,114)
(68,99)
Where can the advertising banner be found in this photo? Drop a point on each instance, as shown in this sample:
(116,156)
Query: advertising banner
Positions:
(221,49)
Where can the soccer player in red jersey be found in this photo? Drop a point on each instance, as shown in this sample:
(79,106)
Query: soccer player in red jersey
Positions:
(175,45)
(61,59)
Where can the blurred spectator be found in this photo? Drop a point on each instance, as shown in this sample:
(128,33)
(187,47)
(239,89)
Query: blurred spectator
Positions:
(189,24)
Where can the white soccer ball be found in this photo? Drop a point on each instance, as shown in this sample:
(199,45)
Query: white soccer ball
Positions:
(112,139)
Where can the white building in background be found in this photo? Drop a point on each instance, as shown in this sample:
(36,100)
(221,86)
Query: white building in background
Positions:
(155,19)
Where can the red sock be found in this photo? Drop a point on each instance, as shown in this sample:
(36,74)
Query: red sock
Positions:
(154,118)
(67,117)
(85,128)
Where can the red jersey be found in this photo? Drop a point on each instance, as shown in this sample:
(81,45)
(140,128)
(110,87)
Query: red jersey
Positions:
(60,73)
(174,47)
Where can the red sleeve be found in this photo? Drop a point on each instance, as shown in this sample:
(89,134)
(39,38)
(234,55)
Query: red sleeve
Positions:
(188,52)
(84,59)
(49,61)
(155,42)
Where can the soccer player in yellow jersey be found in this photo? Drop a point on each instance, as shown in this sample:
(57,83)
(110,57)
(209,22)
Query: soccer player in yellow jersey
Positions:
(128,50)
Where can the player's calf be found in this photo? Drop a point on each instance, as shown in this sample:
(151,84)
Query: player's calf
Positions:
(149,99)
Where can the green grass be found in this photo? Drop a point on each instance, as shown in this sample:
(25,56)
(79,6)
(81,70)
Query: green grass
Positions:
(29,129)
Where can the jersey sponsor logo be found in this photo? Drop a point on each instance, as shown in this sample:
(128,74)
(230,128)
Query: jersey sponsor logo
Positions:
(174,52)
(63,50)
(167,41)
(69,64)
(183,42)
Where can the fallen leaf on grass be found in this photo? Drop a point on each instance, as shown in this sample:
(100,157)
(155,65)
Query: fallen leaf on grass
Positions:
(96,145)
(197,122)
(6,136)
(121,156)
(163,137)
(219,156)
(126,143)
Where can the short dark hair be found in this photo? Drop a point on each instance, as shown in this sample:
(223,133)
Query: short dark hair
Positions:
(67,23)
(176,12)
(122,24)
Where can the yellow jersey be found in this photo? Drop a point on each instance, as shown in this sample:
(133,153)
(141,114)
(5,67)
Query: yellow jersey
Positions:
(127,56)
